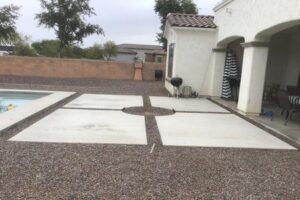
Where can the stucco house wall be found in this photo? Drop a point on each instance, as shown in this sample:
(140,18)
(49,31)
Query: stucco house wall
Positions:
(192,59)
(260,15)
(253,24)
(123,57)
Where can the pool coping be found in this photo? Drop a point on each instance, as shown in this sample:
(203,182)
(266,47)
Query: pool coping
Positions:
(9,119)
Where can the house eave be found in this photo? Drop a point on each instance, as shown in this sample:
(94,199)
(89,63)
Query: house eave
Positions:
(193,28)
(222,5)
(167,27)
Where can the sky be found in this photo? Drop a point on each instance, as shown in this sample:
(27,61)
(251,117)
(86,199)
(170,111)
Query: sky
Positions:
(123,21)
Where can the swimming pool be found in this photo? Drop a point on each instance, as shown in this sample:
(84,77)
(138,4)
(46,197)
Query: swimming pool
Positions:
(11,99)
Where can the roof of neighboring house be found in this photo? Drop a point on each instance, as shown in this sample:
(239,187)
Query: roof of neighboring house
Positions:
(159,52)
(139,46)
(191,20)
(6,48)
(126,51)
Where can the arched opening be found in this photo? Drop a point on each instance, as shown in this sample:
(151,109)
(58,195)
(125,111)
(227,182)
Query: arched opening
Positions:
(232,67)
(225,42)
(267,34)
(283,67)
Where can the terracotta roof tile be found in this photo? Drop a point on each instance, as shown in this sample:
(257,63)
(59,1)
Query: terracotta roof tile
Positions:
(191,20)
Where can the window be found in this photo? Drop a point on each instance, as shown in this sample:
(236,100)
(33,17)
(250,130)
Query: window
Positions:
(171,60)
(158,59)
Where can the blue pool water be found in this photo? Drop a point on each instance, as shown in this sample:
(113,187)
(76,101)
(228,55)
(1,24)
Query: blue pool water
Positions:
(17,99)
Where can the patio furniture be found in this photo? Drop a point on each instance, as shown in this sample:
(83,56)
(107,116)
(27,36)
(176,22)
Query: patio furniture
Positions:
(270,92)
(295,100)
(286,105)
(293,90)
(232,76)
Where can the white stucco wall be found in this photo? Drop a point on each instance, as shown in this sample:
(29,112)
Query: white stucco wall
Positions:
(253,20)
(247,18)
(192,57)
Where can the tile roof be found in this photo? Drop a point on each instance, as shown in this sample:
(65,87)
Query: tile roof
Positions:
(191,20)
(126,51)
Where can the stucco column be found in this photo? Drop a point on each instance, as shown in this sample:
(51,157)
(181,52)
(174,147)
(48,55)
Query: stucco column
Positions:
(253,77)
(218,63)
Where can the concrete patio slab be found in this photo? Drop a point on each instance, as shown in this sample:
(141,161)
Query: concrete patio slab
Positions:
(86,126)
(215,130)
(118,102)
(186,105)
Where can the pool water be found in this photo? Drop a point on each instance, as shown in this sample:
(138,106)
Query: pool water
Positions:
(17,99)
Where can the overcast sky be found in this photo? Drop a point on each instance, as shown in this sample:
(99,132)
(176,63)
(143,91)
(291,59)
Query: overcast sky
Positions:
(123,21)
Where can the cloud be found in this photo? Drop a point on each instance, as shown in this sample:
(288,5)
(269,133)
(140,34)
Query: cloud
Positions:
(124,21)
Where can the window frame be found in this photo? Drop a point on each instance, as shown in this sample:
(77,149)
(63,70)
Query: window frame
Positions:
(171,52)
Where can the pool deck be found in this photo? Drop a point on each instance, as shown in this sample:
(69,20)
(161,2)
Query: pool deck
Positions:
(19,114)
(106,171)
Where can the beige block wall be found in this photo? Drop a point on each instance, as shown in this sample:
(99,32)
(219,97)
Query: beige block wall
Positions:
(65,68)
(149,70)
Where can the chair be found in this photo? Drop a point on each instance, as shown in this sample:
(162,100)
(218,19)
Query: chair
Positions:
(286,106)
(293,90)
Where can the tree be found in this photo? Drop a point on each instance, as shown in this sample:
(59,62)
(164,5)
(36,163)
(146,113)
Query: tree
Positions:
(94,52)
(164,7)
(67,18)
(48,48)
(8,16)
(22,48)
(189,7)
(72,52)
(110,50)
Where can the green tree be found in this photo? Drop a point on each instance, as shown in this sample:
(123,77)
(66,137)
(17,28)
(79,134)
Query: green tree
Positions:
(8,16)
(67,18)
(22,48)
(164,7)
(72,52)
(48,48)
(110,50)
(94,52)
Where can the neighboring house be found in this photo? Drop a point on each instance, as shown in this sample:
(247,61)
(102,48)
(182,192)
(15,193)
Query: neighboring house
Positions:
(157,56)
(6,50)
(131,52)
(259,39)
(125,55)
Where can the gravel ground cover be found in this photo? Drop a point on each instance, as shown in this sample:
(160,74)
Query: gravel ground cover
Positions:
(78,171)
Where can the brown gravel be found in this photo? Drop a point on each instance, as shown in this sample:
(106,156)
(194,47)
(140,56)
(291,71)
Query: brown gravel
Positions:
(77,171)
